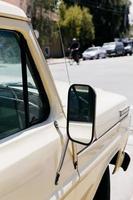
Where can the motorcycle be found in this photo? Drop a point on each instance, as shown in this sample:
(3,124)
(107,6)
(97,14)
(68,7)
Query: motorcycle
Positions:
(74,56)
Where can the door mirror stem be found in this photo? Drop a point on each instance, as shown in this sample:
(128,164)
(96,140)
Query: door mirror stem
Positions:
(75,156)
(61,162)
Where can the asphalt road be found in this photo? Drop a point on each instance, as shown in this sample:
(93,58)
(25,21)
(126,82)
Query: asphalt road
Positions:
(115,75)
(112,74)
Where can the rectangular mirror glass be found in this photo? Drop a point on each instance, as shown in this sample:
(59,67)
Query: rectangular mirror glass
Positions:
(81,113)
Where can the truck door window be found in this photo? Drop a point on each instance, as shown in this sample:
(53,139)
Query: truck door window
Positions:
(22,103)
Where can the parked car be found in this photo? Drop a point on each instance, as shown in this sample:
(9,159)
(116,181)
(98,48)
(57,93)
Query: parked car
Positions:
(94,53)
(114,48)
(128,46)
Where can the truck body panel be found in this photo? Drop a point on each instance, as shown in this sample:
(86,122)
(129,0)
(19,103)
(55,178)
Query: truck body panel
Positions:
(11,11)
(30,157)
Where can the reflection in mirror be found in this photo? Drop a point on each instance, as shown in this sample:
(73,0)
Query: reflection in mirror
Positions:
(81,113)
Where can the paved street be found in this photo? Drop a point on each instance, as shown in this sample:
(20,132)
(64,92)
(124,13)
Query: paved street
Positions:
(112,74)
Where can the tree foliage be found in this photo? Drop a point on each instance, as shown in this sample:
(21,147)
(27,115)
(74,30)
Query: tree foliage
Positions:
(76,22)
(110,17)
(41,20)
(87,31)
(47,4)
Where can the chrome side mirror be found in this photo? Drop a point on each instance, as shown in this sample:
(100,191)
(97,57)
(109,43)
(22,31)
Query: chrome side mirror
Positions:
(81,114)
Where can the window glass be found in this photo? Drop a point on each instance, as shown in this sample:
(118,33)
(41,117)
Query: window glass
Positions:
(37,110)
(23,101)
(10,58)
(11,96)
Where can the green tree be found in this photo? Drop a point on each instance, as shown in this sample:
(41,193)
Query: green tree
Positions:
(110,17)
(41,19)
(62,10)
(87,31)
(76,22)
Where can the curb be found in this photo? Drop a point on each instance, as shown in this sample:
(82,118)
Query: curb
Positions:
(56,61)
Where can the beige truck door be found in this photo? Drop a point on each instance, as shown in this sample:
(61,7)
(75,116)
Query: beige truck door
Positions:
(30,145)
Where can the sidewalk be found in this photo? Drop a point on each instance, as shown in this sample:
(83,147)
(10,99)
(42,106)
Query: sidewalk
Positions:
(53,61)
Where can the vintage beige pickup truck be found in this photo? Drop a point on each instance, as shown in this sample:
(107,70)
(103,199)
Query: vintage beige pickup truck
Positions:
(50,150)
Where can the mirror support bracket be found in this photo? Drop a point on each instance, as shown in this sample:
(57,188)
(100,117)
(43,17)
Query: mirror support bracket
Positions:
(75,156)
(61,162)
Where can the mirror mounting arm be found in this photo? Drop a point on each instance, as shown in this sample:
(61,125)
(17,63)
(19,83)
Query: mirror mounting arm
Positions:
(61,162)
(75,160)
(75,156)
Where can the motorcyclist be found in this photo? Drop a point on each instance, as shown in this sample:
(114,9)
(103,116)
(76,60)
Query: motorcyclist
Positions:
(74,50)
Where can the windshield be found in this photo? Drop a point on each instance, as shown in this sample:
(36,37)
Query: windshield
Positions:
(111,45)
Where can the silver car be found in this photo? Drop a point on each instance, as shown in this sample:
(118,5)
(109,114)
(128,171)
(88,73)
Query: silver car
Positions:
(94,53)
(114,49)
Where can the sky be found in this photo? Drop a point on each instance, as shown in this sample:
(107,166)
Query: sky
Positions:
(131,13)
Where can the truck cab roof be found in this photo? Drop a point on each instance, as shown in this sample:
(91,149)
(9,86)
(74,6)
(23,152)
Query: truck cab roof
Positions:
(11,11)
